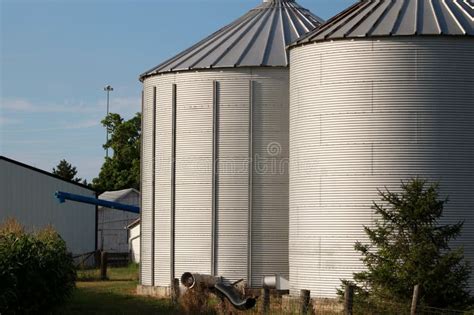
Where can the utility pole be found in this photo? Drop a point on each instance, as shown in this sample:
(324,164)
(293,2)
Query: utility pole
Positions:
(107,89)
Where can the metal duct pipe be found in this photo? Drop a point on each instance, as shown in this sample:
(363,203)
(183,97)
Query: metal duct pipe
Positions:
(189,280)
(276,282)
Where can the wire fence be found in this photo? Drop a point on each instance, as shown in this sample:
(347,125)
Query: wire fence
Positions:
(287,305)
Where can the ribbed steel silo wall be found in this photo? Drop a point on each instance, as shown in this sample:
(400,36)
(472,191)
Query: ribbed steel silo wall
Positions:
(365,114)
(163,167)
(194,127)
(227,117)
(270,178)
(160,97)
(233,176)
(146,269)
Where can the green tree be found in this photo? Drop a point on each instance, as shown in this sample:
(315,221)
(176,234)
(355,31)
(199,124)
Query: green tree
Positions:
(409,246)
(121,170)
(65,170)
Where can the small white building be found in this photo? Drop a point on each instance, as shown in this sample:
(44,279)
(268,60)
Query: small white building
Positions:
(112,235)
(134,240)
(27,195)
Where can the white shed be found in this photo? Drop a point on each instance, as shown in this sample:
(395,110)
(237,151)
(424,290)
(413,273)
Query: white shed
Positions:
(134,240)
(112,224)
(27,195)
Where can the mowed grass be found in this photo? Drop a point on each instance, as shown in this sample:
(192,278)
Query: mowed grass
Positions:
(114,296)
(129,273)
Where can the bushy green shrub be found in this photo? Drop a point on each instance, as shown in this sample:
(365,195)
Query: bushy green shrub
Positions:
(36,271)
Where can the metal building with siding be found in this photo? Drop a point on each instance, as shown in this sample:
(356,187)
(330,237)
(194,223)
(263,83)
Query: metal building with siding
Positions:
(112,233)
(381,93)
(215,152)
(27,195)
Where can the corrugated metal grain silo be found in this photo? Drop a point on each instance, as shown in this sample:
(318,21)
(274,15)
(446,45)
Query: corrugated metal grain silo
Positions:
(383,92)
(215,151)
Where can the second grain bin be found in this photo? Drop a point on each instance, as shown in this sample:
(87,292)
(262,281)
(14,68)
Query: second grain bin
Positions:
(381,93)
(215,152)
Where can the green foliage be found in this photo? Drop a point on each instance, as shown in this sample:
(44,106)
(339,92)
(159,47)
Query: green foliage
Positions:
(66,171)
(122,169)
(409,246)
(36,272)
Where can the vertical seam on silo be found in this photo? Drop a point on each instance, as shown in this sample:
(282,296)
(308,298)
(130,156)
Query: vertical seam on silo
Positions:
(173,181)
(215,139)
(250,192)
(141,186)
(153,187)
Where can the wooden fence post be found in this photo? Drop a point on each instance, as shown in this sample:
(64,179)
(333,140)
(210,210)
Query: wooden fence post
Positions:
(348,299)
(305,300)
(103,265)
(266,300)
(97,258)
(414,301)
(175,291)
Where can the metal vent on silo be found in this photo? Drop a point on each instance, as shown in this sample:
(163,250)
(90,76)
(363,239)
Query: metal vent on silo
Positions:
(379,94)
(215,152)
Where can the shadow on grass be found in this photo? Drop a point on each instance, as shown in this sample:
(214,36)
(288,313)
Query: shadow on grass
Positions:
(113,297)
(129,273)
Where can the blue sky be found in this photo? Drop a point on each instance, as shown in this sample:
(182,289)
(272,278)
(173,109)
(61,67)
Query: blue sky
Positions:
(57,55)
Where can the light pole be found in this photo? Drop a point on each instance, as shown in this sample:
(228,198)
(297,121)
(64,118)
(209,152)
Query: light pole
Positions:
(107,89)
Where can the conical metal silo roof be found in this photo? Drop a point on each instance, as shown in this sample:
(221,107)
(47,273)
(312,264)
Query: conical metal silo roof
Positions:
(259,38)
(370,18)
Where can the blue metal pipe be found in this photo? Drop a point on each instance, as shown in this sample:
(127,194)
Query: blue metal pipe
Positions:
(63,196)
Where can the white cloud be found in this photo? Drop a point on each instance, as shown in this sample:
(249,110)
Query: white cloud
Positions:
(119,105)
(8,121)
(63,126)
(16,104)
(23,105)
(82,124)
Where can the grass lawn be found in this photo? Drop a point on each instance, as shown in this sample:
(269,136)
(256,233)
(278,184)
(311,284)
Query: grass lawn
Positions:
(129,273)
(115,296)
